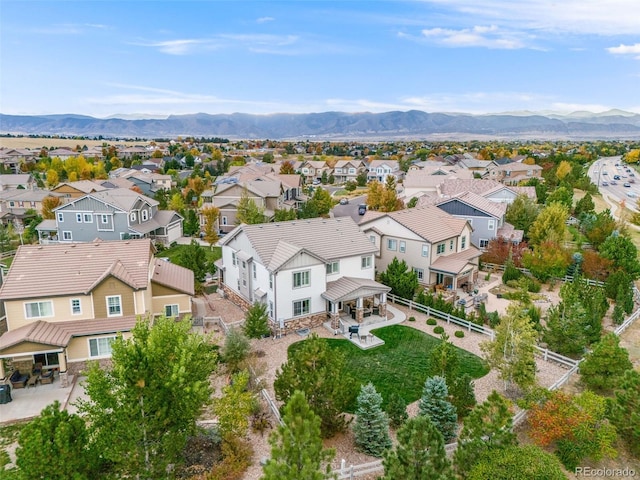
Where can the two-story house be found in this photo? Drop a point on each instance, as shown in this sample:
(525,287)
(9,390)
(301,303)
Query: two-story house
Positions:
(307,272)
(66,303)
(17,181)
(16,205)
(381,169)
(435,245)
(348,170)
(78,188)
(113,214)
(314,169)
(514,173)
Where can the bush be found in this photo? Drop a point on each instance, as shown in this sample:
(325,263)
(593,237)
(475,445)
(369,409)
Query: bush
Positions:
(510,273)
(534,286)
(459,334)
(438,330)
(412,319)
(431,321)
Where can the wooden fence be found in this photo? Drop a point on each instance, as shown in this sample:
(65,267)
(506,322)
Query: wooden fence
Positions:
(272,406)
(567,278)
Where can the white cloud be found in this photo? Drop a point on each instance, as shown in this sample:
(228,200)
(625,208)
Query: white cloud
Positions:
(265,19)
(259,43)
(478,36)
(175,47)
(626,50)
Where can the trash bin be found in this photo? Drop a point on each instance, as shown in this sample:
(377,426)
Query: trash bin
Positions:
(5,394)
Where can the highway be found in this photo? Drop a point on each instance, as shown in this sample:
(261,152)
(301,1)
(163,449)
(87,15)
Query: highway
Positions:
(601,173)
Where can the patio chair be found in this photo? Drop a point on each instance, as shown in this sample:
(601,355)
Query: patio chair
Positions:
(37,368)
(46,377)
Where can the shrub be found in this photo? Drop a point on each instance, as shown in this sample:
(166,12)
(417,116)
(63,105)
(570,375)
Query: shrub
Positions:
(494,319)
(438,330)
(412,319)
(510,272)
(487,277)
(431,321)
(459,333)
(534,286)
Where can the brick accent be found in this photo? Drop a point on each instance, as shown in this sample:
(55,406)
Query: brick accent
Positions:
(240,301)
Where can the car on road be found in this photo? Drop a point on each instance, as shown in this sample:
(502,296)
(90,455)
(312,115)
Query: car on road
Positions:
(627,184)
(616,177)
(613,182)
(362,209)
(344,201)
(316,182)
(605,184)
(632,194)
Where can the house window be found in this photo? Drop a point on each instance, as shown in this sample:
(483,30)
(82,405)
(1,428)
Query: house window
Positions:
(12,203)
(365,262)
(255,273)
(87,217)
(439,278)
(271,281)
(352,171)
(60,217)
(76,308)
(463,243)
(270,309)
(38,309)
(451,245)
(66,235)
(33,204)
(441,248)
(372,239)
(145,215)
(233,259)
(224,220)
(104,218)
(392,244)
(114,306)
(46,359)
(419,273)
(301,279)
(333,267)
(425,250)
(171,310)
(79,217)
(301,307)
(100,347)
(484,242)
(491,225)
(403,246)
(133,216)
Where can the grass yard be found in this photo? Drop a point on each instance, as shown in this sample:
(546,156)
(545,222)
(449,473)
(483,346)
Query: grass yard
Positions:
(174,253)
(401,364)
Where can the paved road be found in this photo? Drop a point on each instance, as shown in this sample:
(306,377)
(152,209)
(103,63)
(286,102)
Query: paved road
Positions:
(350,209)
(614,194)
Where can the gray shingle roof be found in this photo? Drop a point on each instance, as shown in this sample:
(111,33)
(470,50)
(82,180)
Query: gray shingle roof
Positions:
(325,238)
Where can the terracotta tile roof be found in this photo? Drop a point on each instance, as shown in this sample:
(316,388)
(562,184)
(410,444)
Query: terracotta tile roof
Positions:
(65,269)
(457,262)
(453,187)
(60,333)
(85,186)
(429,222)
(173,276)
(325,238)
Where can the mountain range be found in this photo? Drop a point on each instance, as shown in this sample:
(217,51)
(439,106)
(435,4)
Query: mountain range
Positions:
(414,124)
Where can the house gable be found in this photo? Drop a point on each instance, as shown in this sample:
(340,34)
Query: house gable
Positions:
(111,286)
(462,209)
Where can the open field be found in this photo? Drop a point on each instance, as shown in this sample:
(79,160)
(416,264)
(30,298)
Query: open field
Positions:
(34,143)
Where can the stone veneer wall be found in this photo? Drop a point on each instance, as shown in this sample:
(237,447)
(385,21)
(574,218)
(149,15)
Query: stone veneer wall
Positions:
(242,302)
(81,368)
(310,321)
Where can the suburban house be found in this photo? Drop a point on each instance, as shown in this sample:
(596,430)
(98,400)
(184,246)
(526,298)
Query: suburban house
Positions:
(313,169)
(380,169)
(348,170)
(17,181)
(64,153)
(12,158)
(435,245)
(427,180)
(77,189)
(270,192)
(17,205)
(113,214)
(494,191)
(150,183)
(514,173)
(66,303)
(307,272)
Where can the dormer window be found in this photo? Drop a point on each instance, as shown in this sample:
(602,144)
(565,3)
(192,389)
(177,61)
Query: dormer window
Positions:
(145,215)
(133,216)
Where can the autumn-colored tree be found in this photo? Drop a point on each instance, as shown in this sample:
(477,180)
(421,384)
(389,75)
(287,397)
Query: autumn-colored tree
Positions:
(375,192)
(286,168)
(594,266)
(48,205)
(598,227)
(389,201)
(234,408)
(500,250)
(633,156)
(549,225)
(52,178)
(564,169)
(197,185)
(548,259)
(210,214)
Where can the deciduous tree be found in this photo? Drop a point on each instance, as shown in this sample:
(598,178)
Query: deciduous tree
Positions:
(234,407)
(371,428)
(296,447)
(527,461)
(48,205)
(549,226)
(522,213)
(210,214)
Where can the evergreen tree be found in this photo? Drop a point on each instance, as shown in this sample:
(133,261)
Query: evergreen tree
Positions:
(443,360)
(54,446)
(625,410)
(371,428)
(462,394)
(318,371)
(603,367)
(256,321)
(296,447)
(194,257)
(248,211)
(528,461)
(397,410)
(403,282)
(435,405)
(486,429)
(419,454)
(144,408)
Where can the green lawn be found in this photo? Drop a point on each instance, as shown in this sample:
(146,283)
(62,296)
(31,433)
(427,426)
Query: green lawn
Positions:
(173,253)
(401,364)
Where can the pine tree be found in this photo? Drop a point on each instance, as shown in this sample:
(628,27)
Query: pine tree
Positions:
(256,321)
(371,428)
(604,367)
(488,427)
(296,447)
(397,410)
(419,454)
(625,410)
(462,395)
(435,405)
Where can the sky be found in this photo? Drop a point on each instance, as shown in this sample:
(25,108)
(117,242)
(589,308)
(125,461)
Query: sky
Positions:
(158,58)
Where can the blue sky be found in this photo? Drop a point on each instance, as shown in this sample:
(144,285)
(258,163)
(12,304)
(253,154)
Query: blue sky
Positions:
(173,57)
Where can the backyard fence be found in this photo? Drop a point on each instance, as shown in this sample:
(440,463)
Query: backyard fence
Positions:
(272,406)
(496,267)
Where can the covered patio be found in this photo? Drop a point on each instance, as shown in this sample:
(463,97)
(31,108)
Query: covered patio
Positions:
(458,271)
(351,300)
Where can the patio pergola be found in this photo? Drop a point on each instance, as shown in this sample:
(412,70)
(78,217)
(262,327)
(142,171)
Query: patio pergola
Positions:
(358,297)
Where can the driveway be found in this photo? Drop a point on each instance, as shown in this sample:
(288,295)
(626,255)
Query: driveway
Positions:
(350,209)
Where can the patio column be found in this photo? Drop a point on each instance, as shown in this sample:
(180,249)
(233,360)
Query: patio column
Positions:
(359,310)
(335,317)
(62,361)
(382,307)
(2,373)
